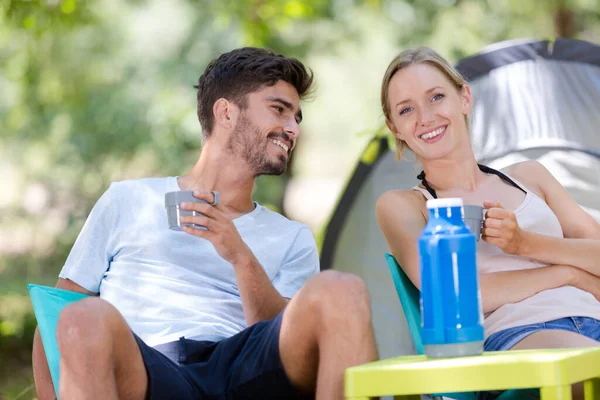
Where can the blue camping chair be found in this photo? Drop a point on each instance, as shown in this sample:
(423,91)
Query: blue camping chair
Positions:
(410,299)
(48,302)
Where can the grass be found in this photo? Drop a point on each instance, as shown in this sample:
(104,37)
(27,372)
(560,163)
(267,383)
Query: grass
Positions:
(20,387)
(16,377)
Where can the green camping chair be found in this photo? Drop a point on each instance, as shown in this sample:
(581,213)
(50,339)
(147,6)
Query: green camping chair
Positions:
(48,302)
(410,299)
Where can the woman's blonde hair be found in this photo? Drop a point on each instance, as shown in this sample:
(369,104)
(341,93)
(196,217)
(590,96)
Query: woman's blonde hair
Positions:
(421,55)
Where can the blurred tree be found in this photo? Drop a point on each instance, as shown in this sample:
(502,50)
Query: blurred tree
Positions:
(96,91)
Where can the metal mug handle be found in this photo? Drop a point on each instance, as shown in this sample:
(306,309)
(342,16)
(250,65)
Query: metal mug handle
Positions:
(217,198)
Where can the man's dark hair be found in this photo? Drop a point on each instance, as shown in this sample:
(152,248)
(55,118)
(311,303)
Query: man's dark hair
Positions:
(240,72)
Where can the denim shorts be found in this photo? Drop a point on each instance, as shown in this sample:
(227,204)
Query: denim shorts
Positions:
(507,338)
(244,366)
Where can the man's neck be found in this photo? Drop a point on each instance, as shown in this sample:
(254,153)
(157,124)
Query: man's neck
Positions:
(219,172)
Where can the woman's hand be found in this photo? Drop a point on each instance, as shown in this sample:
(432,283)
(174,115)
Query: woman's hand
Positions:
(585,281)
(500,228)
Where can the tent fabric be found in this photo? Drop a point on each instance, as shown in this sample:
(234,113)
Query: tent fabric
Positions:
(533,100)
(360,175)
(536,103)
(512,51)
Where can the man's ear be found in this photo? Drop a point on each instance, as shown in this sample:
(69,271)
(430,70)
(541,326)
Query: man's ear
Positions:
(225,113)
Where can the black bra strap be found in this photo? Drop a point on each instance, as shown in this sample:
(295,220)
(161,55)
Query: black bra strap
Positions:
(502,176)
(431,190)
(483,169)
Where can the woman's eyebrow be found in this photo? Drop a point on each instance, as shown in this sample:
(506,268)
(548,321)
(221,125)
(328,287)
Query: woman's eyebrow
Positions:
(427,91)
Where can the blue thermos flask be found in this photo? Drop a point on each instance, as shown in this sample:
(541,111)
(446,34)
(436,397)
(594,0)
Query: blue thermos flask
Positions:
(451,314)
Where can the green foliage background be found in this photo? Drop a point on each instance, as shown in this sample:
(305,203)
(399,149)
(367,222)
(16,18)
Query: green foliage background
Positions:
(96,91)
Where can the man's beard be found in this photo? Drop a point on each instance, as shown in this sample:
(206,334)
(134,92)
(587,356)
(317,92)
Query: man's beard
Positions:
(247,143)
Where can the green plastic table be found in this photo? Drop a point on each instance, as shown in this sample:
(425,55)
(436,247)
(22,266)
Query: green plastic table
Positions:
(553,371)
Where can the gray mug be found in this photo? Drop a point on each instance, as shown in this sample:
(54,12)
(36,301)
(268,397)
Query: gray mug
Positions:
(473,217)
(174,199)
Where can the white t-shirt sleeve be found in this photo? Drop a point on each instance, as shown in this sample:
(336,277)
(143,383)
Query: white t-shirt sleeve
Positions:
(302,264)
(91,254)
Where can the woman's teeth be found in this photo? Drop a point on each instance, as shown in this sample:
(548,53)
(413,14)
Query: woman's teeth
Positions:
(433,134)
(281,144)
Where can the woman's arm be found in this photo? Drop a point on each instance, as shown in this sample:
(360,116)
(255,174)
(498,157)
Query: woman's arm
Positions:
(400,219)
(580,246)
(507,287)
(401,222)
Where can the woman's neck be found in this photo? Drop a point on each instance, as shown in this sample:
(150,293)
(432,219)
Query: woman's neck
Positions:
(448,174)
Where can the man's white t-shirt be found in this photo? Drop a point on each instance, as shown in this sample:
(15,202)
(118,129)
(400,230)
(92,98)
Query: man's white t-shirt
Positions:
(168,284)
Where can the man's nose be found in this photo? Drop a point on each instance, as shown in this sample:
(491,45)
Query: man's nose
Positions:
(292,128)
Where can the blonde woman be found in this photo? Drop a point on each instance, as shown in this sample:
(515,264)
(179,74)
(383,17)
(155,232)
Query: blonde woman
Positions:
(538,257)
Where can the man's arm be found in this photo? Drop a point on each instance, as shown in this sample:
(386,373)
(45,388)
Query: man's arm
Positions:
(260,298)
(41,373)
(301,263)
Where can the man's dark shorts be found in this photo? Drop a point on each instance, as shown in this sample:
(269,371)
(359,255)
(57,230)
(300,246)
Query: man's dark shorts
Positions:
(244,366)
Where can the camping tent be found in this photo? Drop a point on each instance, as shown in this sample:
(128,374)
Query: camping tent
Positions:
(532,100)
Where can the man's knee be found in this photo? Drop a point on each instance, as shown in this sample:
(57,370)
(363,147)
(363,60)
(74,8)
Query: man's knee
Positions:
(86,326)
(335,294)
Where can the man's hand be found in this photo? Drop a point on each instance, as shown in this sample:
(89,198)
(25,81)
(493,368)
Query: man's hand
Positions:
(260,300)
(221,232)
(501,228)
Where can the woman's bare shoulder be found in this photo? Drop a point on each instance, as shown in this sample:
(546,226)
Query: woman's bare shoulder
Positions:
(406,196)
(524,168)
(410,202)
(531,173)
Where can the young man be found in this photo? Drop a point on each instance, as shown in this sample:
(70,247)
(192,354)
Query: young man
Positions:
(237,311)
